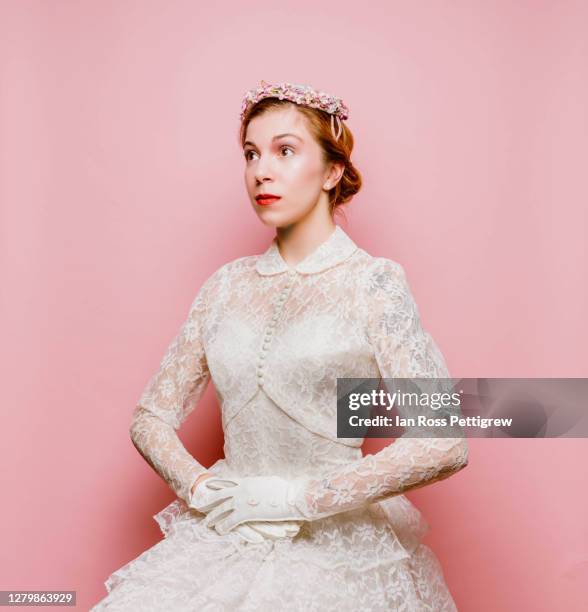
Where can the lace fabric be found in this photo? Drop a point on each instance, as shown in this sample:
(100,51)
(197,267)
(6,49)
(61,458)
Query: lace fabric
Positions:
(273,339)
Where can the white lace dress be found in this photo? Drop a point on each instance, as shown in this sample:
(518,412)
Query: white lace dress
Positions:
(274,339)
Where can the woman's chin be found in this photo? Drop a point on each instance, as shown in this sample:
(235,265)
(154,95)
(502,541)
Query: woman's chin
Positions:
(275,218)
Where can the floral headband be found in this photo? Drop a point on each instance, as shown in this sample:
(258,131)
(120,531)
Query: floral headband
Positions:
(299,94)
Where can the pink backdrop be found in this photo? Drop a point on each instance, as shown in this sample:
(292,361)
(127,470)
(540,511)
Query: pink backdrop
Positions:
(121,190)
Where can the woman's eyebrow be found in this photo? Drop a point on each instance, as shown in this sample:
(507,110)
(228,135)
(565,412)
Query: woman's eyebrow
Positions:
(248,142)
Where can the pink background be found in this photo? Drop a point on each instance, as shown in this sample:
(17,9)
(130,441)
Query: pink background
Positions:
(121,191)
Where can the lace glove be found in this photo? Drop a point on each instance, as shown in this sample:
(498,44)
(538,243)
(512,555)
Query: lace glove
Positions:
(211,492)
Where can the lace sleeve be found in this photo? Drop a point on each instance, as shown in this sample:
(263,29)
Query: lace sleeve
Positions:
(402,350)
(169,397)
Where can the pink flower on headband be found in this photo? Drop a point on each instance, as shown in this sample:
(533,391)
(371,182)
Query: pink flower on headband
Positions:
(299,94)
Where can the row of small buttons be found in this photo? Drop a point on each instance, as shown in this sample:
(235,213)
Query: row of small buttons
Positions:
(270,330)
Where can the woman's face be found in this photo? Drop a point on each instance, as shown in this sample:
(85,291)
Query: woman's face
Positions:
(283,159)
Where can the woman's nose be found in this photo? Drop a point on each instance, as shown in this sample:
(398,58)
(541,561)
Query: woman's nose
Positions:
(262,169)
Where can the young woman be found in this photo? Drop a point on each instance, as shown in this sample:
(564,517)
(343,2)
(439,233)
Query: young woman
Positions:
(293,518)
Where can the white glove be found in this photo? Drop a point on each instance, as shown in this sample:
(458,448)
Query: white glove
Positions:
(257,531)
(254,498)
(210,492)
(267,530)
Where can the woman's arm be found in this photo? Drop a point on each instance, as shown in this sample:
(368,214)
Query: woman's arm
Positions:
(402,350)
(169,397)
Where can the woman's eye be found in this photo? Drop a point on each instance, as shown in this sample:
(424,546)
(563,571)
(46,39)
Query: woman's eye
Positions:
(248,157)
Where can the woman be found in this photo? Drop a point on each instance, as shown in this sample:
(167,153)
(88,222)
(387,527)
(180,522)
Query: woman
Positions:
(293,518)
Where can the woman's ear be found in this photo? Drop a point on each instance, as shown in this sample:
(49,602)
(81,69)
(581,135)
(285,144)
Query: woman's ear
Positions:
(334,176)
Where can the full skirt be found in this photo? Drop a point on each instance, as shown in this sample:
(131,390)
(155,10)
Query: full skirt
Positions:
(354,561)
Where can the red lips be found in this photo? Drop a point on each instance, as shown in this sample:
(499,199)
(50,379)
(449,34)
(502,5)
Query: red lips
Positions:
(264,199)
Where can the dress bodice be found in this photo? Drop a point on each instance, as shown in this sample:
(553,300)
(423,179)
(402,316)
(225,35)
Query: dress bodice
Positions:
(274,339)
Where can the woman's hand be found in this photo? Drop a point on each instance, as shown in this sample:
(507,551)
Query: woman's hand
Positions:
(254,498)
(208,495)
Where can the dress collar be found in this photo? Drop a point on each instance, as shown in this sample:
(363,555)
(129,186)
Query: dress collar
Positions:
(336,249)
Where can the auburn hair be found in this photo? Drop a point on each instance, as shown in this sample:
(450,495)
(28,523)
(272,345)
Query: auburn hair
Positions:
(319,123)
